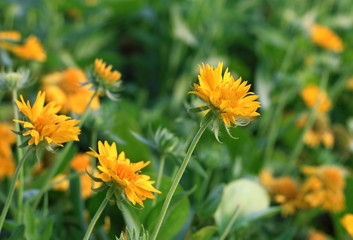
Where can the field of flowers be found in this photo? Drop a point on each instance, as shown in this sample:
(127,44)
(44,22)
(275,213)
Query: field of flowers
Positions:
(197,120)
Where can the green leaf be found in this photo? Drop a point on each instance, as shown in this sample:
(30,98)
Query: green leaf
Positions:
(30,223)
(48,230)
(211,203)
(18,233)
(144,140)
(205,233)
(251,198)
(131,219)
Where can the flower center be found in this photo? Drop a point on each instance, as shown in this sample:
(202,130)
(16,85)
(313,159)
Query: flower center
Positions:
(44,121)
(124,171)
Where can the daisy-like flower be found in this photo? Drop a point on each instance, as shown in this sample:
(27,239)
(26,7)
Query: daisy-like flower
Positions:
(119,171)
(66,89)
(105,73)
(311,94)
(347,223)
(229,98)
(45,125)
(326,38)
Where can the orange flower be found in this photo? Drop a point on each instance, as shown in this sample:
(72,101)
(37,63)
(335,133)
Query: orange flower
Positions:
(105,73)
(230,98)
(66,89)
(326,38)
(31,50)
(45,125)
(10,35)
(118,170)
(7,138)
(317,235)
(311,94)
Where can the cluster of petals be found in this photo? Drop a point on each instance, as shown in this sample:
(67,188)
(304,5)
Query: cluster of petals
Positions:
(326,38)
(44,124)
(323,188)
(67,90)
(124,174)
(7,138)
(105,73)
(230,98)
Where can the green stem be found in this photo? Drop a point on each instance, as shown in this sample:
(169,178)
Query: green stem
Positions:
(19,156)
(12,187)
(159,178)
(230,224)
(53,170)
(94,135)
(309,123)
(273,133)
(178,177)
(98,213)
(85,113)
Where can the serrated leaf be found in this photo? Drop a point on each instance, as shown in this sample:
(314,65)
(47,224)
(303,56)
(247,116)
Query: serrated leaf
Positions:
(198,109)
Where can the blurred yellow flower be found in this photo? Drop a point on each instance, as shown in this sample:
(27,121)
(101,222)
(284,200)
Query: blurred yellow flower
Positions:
(347,223)
(311,94)
(230,98)
(82,162)
(317,235)
(105,73)
(7,163)
(323,188)
(45,125)
(10,35)
(30,50)
(66,89)
(62,183)
(125,175)
(320,132)
(326,38)
(350,83)
(283,190)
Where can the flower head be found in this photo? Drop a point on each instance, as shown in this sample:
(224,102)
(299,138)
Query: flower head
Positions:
(311,94)
(45,125)
(105,73)
(326,38)
(67,89)
(347,223)
(231,99)
(13,80)
(324,187)
(118,170)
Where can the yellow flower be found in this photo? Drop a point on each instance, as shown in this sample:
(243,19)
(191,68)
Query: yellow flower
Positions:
(45,125)
(7,163)
(324,188)
(350,83)
(124,174)
(66,89)
(10,35)
(31,50)
(283,190)
(230,98)
(311,94)
(82,162)
(317,235)
(347,223)
(326,38)
(105,73)
(62,185)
